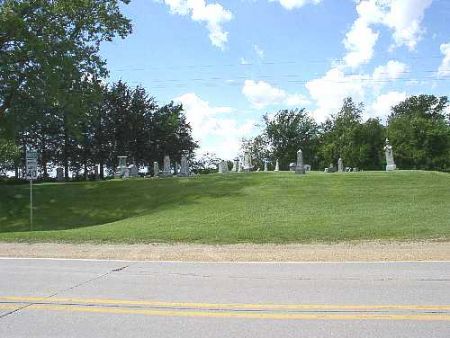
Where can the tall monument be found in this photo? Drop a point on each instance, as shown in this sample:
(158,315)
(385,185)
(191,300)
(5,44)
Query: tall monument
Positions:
(184,169)
(340,165)
(166,169)
(277,166)
(300,168)
(390,163)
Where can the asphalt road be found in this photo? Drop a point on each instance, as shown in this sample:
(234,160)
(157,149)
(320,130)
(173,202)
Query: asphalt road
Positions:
(70,298)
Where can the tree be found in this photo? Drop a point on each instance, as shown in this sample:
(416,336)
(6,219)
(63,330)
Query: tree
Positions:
(287,132)
(419,131)
(346,136)
(48,47)
(9,155)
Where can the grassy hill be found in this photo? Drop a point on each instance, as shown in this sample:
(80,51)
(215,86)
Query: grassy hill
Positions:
(256,207)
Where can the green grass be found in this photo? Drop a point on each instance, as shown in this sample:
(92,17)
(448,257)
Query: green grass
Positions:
(256,207)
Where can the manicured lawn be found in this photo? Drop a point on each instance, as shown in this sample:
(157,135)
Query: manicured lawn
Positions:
(256,207)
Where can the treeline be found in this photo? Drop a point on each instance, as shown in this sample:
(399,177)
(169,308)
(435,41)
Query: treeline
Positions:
(52,96)
(120,121)
(418,129)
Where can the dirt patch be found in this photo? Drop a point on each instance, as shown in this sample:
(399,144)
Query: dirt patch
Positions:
(360,251)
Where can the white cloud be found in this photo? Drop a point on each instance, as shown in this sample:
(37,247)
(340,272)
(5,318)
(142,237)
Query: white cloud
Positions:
(215,132)
(403,17)
(444,68)
(382,105)
(213,15)
(361,39)
(262,94)
(258,51)
(329,91)
(392,70)
(244,61)
(291,4)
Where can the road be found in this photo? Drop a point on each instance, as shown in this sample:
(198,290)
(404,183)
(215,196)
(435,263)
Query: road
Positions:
(76,298)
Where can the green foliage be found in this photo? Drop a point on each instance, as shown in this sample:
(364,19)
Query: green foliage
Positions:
(287,132)
(9,154)
(49,48)
(358,144)
(257,207)
(419,131)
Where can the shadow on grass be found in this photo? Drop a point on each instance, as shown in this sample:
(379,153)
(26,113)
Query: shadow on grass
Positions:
(78,205)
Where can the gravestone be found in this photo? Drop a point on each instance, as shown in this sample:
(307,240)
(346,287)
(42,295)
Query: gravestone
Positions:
(122,168)
(266,165)
(133,170)
(155,169)
(96,175)
(300,168)
(340,165)
(241,164)
(307,167)
(247,161)
(292,166)
(236,165)
(167,172)
(184,169)
(277,166)
(59,174)
(225,167)
(331,168)
(390,163)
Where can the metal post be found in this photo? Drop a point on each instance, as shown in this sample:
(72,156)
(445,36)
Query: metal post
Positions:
(31,205)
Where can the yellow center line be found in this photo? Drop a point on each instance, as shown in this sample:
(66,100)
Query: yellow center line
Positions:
(246,315)
(227,306)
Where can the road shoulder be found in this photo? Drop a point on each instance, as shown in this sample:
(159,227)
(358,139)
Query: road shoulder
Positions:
(317,252)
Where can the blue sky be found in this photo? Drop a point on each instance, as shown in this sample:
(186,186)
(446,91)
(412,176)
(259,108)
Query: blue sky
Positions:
(229,62)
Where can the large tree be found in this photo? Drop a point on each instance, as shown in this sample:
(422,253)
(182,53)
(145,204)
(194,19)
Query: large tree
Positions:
(47,48)
(419,131)
(345,136)
(287,132)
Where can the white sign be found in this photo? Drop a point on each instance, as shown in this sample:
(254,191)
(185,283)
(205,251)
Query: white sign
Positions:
(31,162)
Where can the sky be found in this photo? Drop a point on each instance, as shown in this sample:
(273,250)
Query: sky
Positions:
(229,62)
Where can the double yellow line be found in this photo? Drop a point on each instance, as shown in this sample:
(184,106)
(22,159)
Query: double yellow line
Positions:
(215,310)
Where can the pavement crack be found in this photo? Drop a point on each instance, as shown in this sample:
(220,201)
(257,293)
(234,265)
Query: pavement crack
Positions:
(68,289)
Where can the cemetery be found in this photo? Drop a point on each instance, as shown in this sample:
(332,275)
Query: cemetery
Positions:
(258,207)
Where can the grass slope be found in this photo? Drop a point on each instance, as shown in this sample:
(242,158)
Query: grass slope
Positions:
(256,207)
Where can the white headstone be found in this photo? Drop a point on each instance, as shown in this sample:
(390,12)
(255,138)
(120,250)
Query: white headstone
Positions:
(122,168)
(184,169)
(60,174)
(155,169)
(224,165)
(390,163)
(300,169)
(166,170)
(247,161)
(133,170)
(340,165)
(235,165)
(277,166)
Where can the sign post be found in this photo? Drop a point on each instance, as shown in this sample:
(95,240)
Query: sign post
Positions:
(31,168)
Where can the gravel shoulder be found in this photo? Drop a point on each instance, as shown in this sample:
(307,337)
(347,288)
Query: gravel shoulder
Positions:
(319,252)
